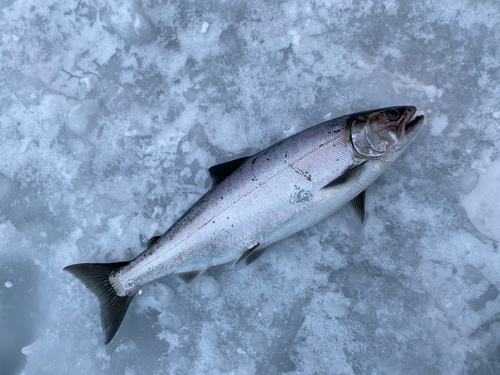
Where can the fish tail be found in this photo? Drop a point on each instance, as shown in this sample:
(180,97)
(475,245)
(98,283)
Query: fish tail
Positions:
(95,276)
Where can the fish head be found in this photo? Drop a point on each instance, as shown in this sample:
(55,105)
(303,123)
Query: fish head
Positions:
(383,134)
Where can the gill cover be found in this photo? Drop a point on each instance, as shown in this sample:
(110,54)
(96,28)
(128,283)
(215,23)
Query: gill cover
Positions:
(376,134)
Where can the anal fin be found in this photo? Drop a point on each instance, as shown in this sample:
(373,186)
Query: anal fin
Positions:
(190,276)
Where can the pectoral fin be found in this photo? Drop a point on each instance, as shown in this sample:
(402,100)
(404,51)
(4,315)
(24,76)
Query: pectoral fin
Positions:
(220,171)
(347,176)
(358,204)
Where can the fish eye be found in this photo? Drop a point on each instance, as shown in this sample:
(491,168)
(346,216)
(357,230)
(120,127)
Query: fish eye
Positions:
(393,114)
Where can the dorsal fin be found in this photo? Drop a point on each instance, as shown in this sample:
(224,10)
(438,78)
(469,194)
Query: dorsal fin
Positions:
(358,204)
(152,241)
(220,171)
(347,176)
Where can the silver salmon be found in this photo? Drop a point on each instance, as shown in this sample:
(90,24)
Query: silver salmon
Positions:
(258,200)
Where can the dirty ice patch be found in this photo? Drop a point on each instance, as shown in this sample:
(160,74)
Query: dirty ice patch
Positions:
(482,204)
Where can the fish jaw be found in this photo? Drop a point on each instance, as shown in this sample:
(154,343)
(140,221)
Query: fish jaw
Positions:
(384,133)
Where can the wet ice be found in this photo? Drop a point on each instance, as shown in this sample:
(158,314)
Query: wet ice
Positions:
(111,114)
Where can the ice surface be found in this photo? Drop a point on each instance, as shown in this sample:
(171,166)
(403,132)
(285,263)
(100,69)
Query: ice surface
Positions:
(482,204)
(112,112)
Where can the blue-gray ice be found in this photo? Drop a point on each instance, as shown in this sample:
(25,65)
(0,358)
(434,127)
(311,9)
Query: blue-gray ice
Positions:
(111,112)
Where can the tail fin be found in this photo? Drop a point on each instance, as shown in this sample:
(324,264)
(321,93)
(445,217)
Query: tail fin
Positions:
(95,276)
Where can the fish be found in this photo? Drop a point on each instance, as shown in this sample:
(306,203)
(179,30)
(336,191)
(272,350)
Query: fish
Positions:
(258,200)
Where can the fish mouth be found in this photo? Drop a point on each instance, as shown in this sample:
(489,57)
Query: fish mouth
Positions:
(410,126)
(384,133)
(406,124)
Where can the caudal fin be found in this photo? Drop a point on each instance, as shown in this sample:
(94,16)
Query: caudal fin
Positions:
(95,276)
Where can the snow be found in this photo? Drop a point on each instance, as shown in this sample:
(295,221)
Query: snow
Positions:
(111,114)
(204,27)
(438,124)
(210,287)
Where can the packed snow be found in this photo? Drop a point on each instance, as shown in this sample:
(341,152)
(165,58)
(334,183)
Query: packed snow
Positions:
(111,113)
